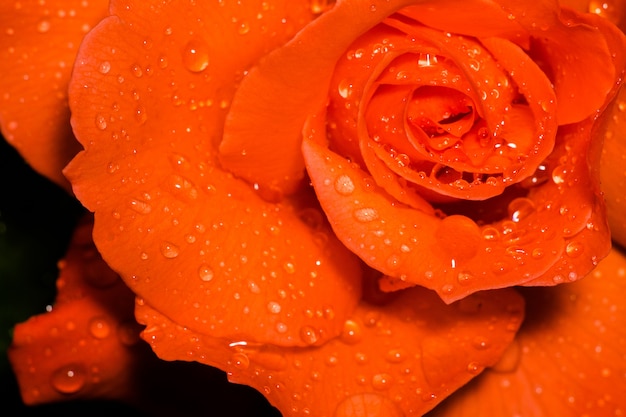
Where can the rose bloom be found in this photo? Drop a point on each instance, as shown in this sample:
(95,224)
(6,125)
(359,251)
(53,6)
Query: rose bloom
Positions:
(360,208)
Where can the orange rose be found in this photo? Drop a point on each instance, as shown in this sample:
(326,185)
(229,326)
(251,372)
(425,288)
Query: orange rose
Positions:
(448,146)
(428,111)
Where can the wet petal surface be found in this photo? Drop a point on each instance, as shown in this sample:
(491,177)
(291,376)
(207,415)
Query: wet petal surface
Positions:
(149,96)
(568,358)
(398,359)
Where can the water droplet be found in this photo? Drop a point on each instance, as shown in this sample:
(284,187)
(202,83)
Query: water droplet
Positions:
(308,335)
(490,233)
(474,368)
(574,249)
(559,174)
(105,67)
(464,278)
(136,70)
(99,327)
(281,328)
(140,206)
(244,28)
(101,122)
(69,379)
(196,56)
(611,10)
(140,114)
(480,343)
(320,6)
(396,355)
(344,185)
(43,26)
(344,88)
(205,273)
(169,250)
(351,333)
(273,307)
(240,361)
(366,214)
(381,381)
(520,208)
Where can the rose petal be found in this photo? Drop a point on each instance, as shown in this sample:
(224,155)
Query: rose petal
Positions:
(149,95)
(555,234)
(399,359)
(568,358)
(557,37)
(284,88)
(87,345)
(38,44)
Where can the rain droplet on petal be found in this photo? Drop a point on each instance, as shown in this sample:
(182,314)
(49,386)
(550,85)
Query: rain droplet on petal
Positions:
(169,250)
(308,335)
(205,273)
(273,307)
(344,185)
(101,122)
(43,26)
(366,214)
(99,327)
(381,381)
(240,361)
(105,67)
(351,333)
(69,379)
(196,55)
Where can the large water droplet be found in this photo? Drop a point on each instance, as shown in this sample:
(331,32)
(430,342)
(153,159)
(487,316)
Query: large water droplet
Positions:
(240,361)
(381,381)
(308,335)
(104,67)
(611,10)
(351,333)
(69,379)
(101,122)
(273,307)
(520,208)
(344,185)
(366,214)
(169,250)
(396,355)
(574,249)
(99,327)
(205,272)
(344,88)
(196,55)
(320,6)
